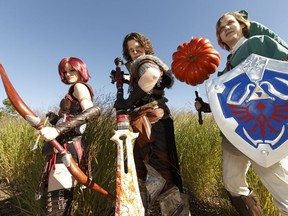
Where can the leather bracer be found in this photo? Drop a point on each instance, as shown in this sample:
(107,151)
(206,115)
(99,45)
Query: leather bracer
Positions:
(86,116)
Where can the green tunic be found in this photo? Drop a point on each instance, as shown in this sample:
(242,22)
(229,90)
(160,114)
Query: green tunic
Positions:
(257,28)
(261,45)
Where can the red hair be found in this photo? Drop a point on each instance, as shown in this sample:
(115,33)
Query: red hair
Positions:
(77,64)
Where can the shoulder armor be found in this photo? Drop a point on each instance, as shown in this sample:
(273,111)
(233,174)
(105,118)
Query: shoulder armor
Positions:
(153,59)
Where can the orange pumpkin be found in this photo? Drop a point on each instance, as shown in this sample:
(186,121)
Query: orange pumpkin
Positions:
(193,62)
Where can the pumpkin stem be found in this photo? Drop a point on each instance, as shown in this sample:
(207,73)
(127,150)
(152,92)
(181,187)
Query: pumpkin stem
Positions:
(191,57)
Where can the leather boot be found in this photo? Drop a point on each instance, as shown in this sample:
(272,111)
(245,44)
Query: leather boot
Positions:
(247,205)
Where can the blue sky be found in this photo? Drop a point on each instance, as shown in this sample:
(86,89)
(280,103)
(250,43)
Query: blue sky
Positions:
(36,35)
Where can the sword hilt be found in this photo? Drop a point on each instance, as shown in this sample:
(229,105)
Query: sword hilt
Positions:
(122,115)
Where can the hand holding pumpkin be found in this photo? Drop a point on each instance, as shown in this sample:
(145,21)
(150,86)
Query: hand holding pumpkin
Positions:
(194,61)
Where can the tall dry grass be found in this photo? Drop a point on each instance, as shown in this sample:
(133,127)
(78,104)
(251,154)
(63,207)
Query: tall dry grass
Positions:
(199,148)
(200,152)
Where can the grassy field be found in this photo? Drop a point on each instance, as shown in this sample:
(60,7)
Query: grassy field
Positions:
(199,148)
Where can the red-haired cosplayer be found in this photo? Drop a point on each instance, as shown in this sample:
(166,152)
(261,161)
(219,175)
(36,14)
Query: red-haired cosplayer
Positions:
(76,108)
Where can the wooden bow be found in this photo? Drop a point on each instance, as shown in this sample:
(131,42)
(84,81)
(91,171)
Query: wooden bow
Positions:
(35,122)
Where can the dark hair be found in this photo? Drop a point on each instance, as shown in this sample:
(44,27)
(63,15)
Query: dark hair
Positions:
(241,19)
(141,39)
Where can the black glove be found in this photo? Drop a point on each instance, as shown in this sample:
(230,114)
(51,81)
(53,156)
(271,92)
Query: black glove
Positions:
(52,117)
(120,104)
(205,107)
(136,95)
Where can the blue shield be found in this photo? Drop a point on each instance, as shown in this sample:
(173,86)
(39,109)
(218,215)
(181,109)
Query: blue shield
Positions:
(249,104)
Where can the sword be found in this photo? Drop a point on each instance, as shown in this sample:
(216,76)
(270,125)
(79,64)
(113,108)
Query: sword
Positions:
(128,199)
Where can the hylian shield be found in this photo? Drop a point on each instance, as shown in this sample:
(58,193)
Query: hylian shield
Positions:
(249,104)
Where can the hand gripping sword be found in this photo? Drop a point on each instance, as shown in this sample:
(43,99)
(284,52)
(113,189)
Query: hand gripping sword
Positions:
(200,120)
(128,199)
(35,122)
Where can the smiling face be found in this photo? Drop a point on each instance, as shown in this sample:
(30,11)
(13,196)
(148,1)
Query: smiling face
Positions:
(70,74)
(230,30)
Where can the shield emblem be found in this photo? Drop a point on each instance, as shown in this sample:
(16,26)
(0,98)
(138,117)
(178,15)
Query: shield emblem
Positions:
(249,104)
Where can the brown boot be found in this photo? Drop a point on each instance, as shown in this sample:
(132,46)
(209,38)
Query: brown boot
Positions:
(247,205)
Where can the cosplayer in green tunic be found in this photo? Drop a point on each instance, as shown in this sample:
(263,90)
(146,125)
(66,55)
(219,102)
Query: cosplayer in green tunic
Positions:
(234,35)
